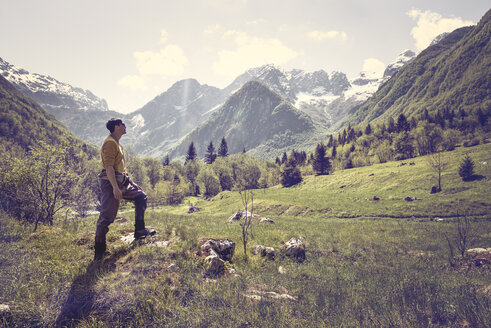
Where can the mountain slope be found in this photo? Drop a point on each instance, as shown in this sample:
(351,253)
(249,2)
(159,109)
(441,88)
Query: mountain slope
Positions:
(171,115)
(453,73)
(25,123)
(252,116)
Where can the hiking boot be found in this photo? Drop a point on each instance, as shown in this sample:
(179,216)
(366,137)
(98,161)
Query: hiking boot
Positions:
(143,233)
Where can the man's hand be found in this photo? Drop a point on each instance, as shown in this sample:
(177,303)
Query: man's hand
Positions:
(117,193)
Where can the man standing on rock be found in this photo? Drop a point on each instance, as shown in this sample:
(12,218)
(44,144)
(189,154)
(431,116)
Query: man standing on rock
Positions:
(116,185)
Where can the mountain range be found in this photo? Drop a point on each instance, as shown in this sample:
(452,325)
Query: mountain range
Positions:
(268,110)
(162,125)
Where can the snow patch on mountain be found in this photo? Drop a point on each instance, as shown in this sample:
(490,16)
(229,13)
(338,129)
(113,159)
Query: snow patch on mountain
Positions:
(49,92)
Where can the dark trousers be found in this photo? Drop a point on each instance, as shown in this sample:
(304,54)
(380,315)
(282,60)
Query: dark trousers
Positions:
(110,205)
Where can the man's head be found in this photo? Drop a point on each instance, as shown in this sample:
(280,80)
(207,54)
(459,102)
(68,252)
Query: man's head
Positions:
(112,123)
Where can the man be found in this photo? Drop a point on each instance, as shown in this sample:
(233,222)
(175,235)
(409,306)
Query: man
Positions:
(116,185)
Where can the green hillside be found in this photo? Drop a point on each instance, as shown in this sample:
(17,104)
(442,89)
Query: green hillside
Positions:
(369,263)
(24,123)
(453,74)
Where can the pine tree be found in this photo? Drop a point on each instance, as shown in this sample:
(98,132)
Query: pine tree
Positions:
(466,169)
(278,161)
(402,124)
(334,152)
(321,164)
(284,158)
(210,155)
(223,149)
(191,155)
(368,129)
(166,161)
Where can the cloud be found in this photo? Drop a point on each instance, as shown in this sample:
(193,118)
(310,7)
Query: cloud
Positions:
(430,24)
(250,52)
(163,36)
(330,35)
(133,82)
(169,61)
(212,29)
(373,68)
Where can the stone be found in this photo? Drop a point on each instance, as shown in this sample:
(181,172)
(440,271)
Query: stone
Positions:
(281,270)
(412,163)
(240,214)
(223,248)
(375,197)
(194,208)
(173,267)
(214,265)
(371,174)
(264,251)
(479,250)
(434,190)
(295,248)
(409,199)
(258,295)
(4,309)
(265,220)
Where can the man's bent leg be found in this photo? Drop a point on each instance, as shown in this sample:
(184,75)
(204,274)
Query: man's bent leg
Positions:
(140,199)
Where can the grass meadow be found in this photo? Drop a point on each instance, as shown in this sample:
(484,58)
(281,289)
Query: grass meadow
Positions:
(369,263)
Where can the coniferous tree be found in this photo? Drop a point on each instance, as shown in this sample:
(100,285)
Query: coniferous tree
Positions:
(278,161)
(166,161)
(284,159)
(191,154)
(334,152)
(402,123)
(466,169)
(321,164)
(210,155)
(330,143)
(368,129)
(223,149)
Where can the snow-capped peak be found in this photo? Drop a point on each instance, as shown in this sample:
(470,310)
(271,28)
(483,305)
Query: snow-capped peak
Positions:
(49,92)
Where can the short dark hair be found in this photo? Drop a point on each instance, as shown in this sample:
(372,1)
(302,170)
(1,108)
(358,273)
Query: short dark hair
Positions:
(112,123)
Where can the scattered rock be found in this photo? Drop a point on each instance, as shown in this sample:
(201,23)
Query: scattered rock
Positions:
(121,219)
(4,309)
(486,290)
(375,197)
(173,267)
(409,199)
(237,216)
(257,295)
(343,186)
(482,260)
(223,248)
(160,243)
(371,174)
(412,163)
(214,265)
(264,251)
(194,208)
(295,248)
(281,270)
(266,220)
(476,251)
(402,164)
(435,190)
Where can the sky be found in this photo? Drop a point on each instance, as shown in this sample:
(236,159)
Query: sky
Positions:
(129,52)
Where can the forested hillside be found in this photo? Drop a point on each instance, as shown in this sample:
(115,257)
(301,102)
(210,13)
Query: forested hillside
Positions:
(453,74)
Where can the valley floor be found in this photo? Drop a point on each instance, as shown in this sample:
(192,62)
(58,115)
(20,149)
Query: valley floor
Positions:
(390,262)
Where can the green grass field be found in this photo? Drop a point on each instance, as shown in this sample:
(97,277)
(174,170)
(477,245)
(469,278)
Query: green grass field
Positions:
(383,263)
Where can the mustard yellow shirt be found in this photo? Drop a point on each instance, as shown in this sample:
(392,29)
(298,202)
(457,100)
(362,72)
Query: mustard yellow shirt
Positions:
(112,154)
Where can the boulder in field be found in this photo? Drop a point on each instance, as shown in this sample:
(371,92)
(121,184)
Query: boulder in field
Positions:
(295,248)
